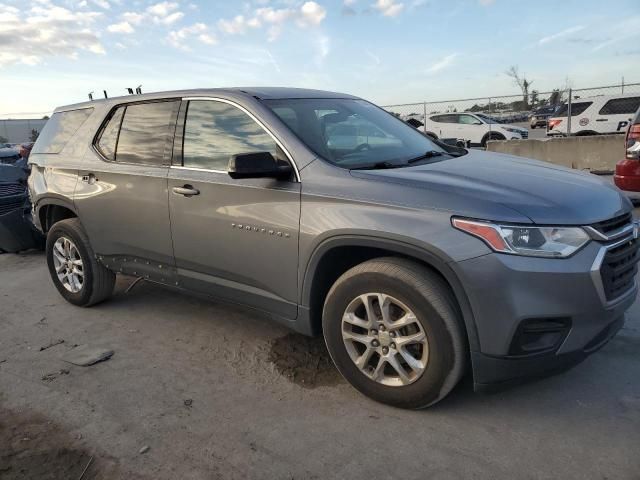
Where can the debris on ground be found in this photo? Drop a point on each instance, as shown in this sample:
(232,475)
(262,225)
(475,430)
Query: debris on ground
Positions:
(52,344)
(188,402)
(304,360)
(86,355)
(50,377)
(144,450)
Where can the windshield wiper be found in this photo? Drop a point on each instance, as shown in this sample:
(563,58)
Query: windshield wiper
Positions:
(429,154)
(379,166)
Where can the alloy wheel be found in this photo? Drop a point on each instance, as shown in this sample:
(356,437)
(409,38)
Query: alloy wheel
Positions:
(384,339)
(68,264)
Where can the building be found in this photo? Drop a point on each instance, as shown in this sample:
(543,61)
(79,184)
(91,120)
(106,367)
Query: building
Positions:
(19,131)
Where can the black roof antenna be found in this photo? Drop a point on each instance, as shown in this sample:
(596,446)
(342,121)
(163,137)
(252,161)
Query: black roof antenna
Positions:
(130,90)
(105,94)
(139,89)
(91,96)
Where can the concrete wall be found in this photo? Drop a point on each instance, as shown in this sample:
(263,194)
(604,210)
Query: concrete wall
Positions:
(598,153)
(19,131)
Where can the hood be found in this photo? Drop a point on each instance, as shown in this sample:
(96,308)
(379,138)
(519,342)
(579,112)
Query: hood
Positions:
(543,192)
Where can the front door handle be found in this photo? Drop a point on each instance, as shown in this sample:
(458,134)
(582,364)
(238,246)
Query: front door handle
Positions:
(186,190)
(601,119)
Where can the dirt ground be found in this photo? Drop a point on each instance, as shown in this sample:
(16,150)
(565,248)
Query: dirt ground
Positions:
(199,390)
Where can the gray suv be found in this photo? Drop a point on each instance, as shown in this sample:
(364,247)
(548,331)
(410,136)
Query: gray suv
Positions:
(415,260)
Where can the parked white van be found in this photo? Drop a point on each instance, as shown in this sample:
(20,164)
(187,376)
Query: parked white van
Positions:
(595,115)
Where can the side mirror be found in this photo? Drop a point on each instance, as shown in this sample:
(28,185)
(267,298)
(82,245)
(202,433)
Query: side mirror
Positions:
(477,122)
(257,165)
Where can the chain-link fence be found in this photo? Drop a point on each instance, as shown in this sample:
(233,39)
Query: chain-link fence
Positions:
(606,109)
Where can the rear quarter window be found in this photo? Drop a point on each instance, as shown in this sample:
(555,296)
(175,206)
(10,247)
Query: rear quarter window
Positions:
(577,108)
(59,129)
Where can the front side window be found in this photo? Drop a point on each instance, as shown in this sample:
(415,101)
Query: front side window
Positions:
(467,120)
(214,131)
(621,106)
(146,135)
(353,133)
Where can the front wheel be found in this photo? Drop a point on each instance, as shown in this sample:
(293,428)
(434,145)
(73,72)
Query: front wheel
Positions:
(73,266)
(393,330)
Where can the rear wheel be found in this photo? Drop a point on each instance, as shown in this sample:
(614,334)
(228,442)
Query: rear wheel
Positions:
(75,272)
(392,328)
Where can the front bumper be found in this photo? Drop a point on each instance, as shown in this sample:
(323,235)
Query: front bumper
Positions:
(507,290)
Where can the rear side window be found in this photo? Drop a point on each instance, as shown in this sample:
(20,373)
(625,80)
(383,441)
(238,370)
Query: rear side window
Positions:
(620,106)
(445,118)
(146,134)
(577,108)
(109,136)
(214,131)
(59,129)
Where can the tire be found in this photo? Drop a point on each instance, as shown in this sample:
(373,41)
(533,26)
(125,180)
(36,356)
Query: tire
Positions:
(98,281)
(491,136)
(533,126)
(435,309)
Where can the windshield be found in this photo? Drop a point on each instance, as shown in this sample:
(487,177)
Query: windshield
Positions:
(354,133)
(487,118)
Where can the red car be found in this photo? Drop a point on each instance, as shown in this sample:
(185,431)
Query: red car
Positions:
(627,176)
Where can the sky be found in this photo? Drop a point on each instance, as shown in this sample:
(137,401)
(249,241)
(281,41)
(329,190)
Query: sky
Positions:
(54,52)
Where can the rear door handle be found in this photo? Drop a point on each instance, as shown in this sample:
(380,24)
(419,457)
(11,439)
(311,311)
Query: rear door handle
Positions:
(186,190)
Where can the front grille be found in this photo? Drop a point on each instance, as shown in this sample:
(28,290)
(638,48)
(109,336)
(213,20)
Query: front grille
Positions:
(619,268)
(525,134)
(11,206)
(607,226)
(7,189)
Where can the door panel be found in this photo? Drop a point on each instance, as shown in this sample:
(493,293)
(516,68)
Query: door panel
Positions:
(124,209)
(237,239)
(124,206)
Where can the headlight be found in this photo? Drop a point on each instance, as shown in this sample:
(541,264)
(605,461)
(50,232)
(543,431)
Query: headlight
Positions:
(513,130)
(551,242)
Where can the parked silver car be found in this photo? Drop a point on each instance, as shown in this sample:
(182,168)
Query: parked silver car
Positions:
(417,261)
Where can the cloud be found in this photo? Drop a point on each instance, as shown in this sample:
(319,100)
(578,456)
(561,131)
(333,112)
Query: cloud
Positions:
(388,8)
(180,38)
(133,18)
(237,25)
(308,14)
(101,3)
(486,3)
(165,13)
(443,63)
(45,30)
(311,14)
(122,27)
(563,33)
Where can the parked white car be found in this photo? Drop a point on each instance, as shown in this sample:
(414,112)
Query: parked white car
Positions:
(595,115)
(473,128)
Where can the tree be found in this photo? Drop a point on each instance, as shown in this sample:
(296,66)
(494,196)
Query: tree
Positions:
(34,135)
(522,83)
(534,98)
(46,117)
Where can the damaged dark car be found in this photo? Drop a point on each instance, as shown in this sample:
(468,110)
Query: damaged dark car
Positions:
(17,232)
